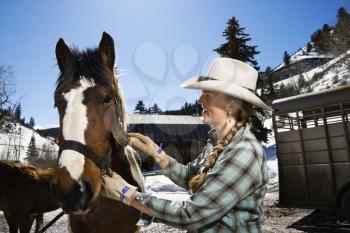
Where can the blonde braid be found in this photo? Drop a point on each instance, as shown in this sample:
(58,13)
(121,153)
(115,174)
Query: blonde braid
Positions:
(242,115)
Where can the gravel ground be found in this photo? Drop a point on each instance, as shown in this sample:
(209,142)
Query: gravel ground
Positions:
(276,220)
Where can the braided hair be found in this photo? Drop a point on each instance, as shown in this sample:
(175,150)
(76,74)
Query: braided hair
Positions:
(241,114)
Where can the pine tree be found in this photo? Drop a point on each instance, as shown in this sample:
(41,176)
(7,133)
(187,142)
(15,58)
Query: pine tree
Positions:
(32,152)
(18,112)
(342,32)
(301,82)
(236,47)
(308,47)
(31,122)
(281,90)
(198,109)
(286,58)
(322,39)
(155,109)
(140,107)
(236,44)
(269,89)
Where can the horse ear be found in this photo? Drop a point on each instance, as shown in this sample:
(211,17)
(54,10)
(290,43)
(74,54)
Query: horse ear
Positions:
(62,53)
(106,49)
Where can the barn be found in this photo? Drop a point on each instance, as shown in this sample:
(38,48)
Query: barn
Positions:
(183,137)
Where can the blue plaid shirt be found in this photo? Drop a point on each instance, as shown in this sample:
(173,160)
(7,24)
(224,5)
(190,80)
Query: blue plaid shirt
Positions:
(231,197)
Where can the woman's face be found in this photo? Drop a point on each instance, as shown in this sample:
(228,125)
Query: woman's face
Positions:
(214,108)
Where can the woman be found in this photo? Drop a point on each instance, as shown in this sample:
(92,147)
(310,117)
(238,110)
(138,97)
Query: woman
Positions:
(228,179)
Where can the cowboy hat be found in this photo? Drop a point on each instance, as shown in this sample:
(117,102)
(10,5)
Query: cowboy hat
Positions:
(231,77)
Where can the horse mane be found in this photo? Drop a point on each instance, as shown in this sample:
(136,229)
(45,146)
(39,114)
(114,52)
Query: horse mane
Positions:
(87,64)
(28,171)
(83,64)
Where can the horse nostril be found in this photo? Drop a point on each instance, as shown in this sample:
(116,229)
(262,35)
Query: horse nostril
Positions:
(86,190)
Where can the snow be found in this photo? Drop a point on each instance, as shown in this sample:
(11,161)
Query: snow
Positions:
(331,69)
(14,146)
(302,54)
(276,219)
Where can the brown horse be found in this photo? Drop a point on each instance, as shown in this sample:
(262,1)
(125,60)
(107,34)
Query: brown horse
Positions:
(24,195)
(92,140)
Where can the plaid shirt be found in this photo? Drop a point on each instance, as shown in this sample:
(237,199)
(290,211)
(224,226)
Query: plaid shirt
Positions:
(231,197)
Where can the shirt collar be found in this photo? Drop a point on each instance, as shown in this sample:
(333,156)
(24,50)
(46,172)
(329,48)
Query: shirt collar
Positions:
(213,137)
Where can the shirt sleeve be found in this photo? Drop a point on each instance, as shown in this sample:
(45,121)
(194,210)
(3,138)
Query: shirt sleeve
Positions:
(232,178)
(180,174)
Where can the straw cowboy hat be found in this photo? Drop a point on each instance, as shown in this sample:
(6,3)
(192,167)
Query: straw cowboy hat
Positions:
(231,77)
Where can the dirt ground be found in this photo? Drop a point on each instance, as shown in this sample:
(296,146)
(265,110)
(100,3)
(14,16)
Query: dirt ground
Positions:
(279,219)
(276,220)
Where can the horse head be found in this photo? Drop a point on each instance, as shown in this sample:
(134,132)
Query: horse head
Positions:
(91,115)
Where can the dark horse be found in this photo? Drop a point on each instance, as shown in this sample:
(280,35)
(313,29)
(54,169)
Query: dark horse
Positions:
(92,140)
(24,195)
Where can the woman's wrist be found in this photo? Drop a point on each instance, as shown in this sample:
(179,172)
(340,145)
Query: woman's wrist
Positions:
(163,160)
(137,202)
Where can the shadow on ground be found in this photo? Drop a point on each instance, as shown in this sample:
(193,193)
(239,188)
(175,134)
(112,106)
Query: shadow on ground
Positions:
(327,221)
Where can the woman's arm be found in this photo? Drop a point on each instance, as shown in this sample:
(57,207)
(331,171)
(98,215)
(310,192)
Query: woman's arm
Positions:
(230,180)
(140,206)
(180,174)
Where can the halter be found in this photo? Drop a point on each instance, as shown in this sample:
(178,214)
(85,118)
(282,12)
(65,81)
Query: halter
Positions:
(100,161)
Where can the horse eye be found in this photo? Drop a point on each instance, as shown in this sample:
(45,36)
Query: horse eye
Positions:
(107,99)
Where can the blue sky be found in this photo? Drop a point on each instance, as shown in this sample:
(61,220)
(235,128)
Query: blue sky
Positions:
(159,44)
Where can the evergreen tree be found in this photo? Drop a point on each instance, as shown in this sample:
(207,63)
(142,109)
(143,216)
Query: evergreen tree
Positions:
(18,112)
(269,90)
(32,152)
(31,122)
(236,47)
(155,109)
(342,32)
(140,107)
(308,47)
(281,90)
(198,109)
(260,132)
(236,44)
(286,58)
(301,82)
(322,39)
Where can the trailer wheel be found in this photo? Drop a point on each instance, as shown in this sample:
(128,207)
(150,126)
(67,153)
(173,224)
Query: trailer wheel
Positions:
(345,204)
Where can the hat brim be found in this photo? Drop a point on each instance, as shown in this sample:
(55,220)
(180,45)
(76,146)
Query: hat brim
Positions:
(225,88)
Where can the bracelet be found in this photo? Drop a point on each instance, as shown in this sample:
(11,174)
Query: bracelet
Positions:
(160,149)
(122,194)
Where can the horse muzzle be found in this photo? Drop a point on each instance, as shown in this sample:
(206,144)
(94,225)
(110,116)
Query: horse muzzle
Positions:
(76,200)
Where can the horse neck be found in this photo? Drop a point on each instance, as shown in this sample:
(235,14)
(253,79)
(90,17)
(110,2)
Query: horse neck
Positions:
(6,172)
(120,164)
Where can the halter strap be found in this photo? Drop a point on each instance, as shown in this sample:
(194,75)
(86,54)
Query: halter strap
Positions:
(100,161)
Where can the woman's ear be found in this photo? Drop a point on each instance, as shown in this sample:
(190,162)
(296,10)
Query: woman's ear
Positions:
(233,107)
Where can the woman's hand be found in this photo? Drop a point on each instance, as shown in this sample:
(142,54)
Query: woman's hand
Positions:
(115,187)
(147,146)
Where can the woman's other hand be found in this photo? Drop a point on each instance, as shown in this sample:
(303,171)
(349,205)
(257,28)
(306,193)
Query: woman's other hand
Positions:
(147,146)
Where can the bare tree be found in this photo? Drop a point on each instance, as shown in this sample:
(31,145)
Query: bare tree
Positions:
(6,91)
(6,83)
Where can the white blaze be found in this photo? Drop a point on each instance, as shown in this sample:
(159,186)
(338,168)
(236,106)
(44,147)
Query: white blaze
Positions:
(73,128)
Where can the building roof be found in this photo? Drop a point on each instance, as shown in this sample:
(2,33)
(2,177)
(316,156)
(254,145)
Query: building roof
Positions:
(169,128)
(163,119)
(310,100)
(163,128)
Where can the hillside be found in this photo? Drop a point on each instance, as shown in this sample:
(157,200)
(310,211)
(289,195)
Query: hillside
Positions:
(332,73)
(14,145)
